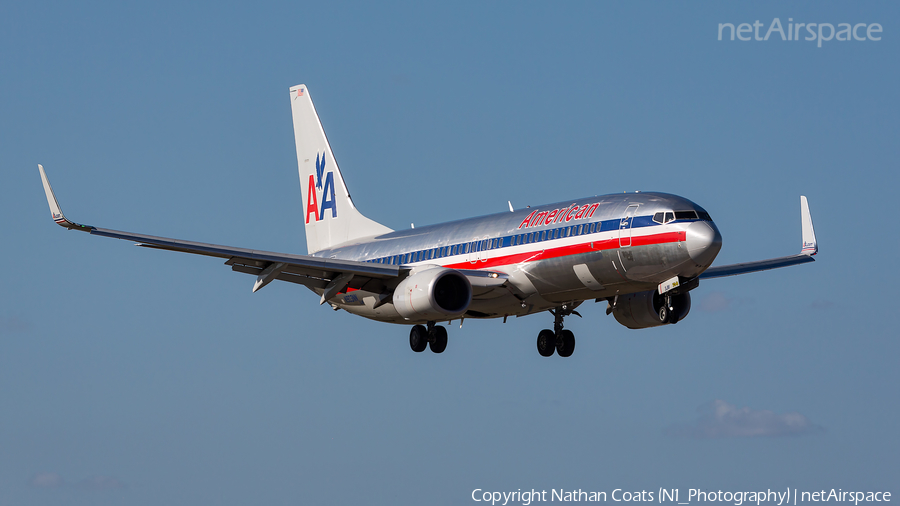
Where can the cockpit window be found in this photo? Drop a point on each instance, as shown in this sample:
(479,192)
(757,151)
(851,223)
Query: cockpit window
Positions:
(685,215)
(704,215)
(664,217)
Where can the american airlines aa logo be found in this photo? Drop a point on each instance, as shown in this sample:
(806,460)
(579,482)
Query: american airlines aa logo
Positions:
(327,193)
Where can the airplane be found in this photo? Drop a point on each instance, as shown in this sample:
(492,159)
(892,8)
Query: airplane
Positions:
(641,253)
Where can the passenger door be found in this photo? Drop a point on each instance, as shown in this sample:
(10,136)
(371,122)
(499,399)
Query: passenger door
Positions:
(625,225)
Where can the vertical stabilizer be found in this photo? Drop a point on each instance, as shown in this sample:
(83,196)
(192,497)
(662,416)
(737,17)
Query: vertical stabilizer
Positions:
(329,215)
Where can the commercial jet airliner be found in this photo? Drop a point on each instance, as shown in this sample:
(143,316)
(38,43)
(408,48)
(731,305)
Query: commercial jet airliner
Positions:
(642,253)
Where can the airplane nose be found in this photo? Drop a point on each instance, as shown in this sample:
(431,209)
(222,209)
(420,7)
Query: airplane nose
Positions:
(703,242)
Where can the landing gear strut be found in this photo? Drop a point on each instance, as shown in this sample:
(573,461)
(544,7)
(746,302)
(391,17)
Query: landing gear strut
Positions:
(667,313)
(434,336)
(560,340)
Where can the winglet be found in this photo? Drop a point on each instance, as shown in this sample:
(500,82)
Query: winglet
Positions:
(809,234)
(55,212)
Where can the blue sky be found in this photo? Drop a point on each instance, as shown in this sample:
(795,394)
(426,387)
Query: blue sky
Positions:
(133,376)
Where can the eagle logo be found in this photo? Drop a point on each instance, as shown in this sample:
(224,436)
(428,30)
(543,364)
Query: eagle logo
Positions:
(320,169)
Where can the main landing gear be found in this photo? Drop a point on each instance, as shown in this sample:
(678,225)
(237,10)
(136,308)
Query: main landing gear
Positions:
(559,340)
(434,336)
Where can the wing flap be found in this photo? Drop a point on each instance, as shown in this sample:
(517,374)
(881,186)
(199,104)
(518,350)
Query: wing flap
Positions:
(298,264)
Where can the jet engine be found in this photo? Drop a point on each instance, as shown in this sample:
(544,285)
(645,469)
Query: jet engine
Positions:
(433,294)
(641,310)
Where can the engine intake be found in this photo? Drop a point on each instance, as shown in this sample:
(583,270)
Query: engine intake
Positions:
(433,294)
(641,310)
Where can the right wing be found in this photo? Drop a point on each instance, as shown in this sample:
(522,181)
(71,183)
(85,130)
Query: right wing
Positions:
(809,248)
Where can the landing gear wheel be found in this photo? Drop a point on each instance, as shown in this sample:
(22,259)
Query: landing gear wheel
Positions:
(663,314)
(418,338)
(546,342)
(439,344)
(566,344)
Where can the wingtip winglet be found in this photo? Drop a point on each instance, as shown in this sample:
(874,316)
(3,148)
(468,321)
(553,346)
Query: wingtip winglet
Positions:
(55,211)
(810,247)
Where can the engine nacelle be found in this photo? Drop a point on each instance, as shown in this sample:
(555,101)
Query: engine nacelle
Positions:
(641,310)
(433,294)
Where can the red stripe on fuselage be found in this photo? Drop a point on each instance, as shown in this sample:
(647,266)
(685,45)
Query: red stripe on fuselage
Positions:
(574,249)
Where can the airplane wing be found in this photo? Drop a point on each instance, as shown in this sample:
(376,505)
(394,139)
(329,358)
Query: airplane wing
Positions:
(331,275)
(809,248)
(327,276)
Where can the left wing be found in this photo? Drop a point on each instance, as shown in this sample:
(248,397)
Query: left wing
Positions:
(808,249)
(330,275)
(327,276)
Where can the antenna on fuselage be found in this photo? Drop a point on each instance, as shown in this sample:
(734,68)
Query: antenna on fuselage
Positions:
(510,205)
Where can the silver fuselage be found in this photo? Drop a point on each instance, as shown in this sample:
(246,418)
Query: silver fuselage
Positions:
(590,248)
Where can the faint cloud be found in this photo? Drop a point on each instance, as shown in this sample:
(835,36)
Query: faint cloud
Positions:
(53,480)
(822,305)
(46,480)
(100,483)
(719,419)
(714,302)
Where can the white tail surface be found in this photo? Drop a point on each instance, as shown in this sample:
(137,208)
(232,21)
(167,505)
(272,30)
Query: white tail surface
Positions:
(329,215)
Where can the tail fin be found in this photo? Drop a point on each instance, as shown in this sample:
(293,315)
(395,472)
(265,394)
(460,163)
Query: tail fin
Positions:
(328,212)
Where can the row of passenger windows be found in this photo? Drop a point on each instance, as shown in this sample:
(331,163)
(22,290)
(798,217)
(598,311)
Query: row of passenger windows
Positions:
(488,244)
(667,216)
(515,240)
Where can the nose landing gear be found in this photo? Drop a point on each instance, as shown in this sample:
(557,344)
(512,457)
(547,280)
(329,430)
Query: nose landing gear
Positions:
(560,340)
